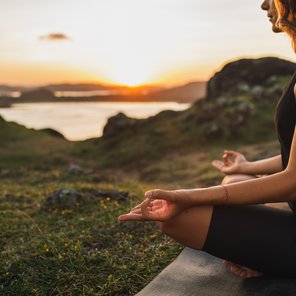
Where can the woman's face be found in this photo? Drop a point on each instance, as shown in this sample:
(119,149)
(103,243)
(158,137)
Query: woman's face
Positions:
(272,14)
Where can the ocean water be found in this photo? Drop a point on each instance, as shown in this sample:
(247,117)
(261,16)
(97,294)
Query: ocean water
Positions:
(82,120)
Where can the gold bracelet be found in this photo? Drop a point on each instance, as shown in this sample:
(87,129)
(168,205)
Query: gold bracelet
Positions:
(226,193)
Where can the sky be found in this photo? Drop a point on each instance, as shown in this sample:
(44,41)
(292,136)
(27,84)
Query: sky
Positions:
(130,42)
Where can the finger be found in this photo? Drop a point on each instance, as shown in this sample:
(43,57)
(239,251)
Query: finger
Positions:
(150,207)
(137,211)
(138,206)
(144,207)
(226,159)
(217,164)
(131,217)
(160,194)
(222,167)
(155,208)
(227,162)
(135,208)
(232,153)
(156,202)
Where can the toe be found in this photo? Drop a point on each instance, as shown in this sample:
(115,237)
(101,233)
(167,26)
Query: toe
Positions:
(243,274)
(227,264)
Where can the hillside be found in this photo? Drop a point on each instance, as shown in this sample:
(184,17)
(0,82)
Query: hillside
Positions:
(21,146)
(188,93)
(236,112)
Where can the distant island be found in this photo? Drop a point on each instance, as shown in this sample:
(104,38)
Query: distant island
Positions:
(91,92)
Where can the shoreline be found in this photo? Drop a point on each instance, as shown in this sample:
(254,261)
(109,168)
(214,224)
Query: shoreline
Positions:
(7,102)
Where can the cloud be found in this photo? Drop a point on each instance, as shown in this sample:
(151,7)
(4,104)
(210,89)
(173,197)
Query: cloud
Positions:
(55,37)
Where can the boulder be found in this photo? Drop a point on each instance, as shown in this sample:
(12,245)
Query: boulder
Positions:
(75,169)
(118,123)
(62,199)
(5,172)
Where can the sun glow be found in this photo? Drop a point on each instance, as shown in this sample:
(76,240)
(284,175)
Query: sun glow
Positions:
(130,78)
(129,72)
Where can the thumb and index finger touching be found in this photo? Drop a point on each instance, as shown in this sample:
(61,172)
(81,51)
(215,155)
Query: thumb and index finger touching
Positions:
(143,210)
(159,194)
(224,165)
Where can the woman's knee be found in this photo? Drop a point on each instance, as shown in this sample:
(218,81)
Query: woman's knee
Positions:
(166,227)
(236,178)
(190,228)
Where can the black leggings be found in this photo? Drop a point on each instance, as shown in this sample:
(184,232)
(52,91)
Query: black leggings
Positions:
(255,236)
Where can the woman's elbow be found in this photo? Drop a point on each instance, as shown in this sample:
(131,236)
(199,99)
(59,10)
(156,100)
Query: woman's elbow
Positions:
(289,175)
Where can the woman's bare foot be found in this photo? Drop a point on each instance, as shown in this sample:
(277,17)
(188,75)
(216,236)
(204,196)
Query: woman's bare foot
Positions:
(241,271)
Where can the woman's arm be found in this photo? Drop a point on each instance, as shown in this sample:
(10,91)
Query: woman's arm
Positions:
(267,166)
(236,163)
(273,188)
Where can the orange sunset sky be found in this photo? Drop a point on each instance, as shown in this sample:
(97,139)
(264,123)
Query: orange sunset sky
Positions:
(130,41)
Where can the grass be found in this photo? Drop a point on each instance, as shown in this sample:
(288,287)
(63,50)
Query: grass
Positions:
(79,251)
(84,250)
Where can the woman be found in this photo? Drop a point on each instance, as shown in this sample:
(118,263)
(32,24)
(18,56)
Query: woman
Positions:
(232,220)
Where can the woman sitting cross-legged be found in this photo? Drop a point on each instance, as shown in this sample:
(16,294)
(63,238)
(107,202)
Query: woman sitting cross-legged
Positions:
(232,220)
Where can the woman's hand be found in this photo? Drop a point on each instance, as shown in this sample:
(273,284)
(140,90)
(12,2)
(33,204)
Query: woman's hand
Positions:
(233,163)
(159,205)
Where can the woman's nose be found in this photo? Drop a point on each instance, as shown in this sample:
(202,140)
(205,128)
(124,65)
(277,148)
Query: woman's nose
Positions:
(265,5)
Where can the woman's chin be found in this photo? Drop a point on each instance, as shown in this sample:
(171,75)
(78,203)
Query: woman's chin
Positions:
(276,29)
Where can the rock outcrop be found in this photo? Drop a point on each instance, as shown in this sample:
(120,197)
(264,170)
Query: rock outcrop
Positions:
(117,124)
(242,75)
(62,199)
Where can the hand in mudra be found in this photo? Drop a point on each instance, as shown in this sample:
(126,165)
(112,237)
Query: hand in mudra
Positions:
(233,162)
(154,209)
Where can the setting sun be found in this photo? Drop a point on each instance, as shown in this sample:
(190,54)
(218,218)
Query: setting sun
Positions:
(129,71)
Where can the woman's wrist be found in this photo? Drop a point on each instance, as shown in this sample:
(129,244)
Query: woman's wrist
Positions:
(248,168)
(203,196)
(214,195)
(188,197)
